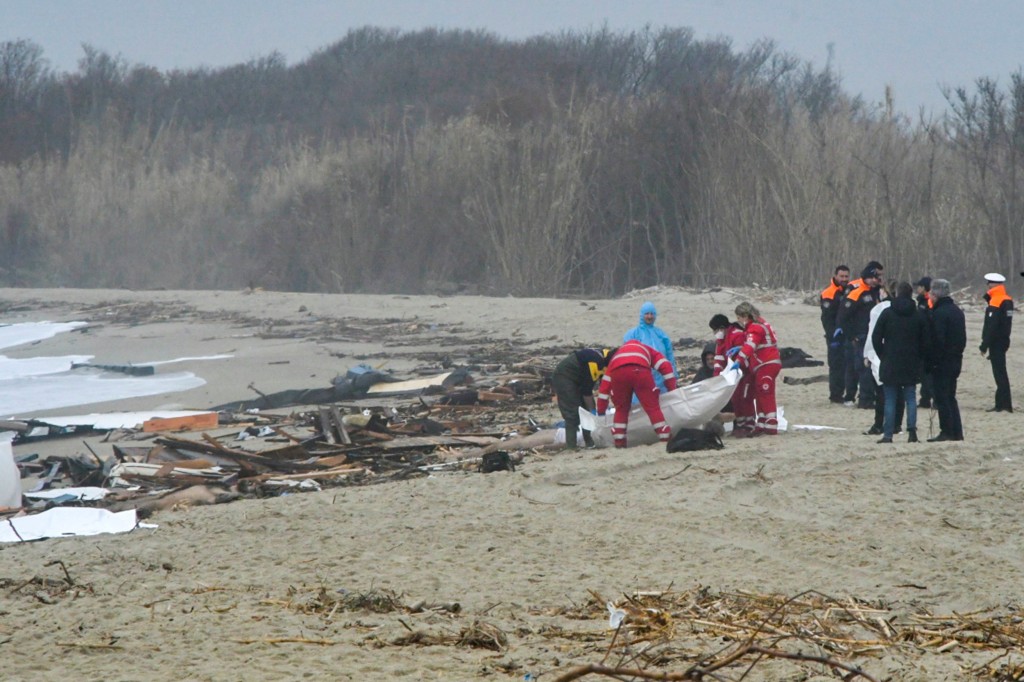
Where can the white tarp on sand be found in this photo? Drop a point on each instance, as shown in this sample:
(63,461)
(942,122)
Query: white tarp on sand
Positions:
(67,521)
(686,407)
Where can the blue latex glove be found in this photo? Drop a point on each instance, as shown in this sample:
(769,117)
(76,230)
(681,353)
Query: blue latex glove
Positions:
(732,352)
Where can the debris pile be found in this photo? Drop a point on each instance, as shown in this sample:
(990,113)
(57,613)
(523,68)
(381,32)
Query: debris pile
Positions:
(654,630)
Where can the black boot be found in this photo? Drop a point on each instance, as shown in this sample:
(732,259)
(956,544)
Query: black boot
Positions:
(912,436)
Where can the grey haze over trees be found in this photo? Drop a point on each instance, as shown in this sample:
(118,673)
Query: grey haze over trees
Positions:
(580,163)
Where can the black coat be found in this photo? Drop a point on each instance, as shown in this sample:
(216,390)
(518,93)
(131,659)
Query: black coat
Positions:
(900,338)
(948,336)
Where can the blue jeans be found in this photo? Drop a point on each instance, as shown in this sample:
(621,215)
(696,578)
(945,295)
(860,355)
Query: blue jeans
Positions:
(909,392)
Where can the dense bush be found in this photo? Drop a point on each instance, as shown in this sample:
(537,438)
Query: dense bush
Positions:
(435,160)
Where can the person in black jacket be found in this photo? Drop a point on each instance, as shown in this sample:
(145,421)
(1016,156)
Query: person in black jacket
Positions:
(574,380)
(852,319)
(995,337)
(947,340)
(829,301)
(899,339)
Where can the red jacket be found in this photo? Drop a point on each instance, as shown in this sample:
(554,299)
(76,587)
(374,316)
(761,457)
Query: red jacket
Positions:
(760,347)
(638,354)
(734,337)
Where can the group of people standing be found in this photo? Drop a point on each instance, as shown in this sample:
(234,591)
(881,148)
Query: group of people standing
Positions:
(643,367)
(880,336)
(883,342)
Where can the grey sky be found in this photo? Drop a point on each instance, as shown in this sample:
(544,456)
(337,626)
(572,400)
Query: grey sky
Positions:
(914,45)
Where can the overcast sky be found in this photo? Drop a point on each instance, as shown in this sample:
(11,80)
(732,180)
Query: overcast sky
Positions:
(916,46)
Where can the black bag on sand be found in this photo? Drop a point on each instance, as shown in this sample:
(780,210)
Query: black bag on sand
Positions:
(688,440)
(496,461)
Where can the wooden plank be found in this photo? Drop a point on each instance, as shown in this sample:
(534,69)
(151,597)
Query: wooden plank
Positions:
(339,424)
(411,386)
(330,473)
(326,426)
(196,422)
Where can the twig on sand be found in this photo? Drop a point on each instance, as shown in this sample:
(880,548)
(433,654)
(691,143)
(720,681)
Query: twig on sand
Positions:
(703,672)
(286,640)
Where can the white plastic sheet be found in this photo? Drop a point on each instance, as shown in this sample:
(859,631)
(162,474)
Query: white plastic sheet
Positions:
(85,494)
(689,406)
(67,521)
(10,479)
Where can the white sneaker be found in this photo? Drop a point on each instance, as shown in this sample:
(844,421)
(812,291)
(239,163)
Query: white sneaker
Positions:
(849,403)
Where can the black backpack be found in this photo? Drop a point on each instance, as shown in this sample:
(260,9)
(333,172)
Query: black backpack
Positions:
(688,440)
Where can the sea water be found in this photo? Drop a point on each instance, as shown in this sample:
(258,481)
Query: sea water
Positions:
(43,383)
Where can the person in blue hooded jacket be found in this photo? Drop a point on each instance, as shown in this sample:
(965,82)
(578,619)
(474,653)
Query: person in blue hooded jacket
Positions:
(648,334)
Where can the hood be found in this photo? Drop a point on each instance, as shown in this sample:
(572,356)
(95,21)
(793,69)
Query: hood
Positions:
(647,307)
(904,306)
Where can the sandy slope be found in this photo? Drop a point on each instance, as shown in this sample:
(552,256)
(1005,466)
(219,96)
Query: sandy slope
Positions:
(932,526)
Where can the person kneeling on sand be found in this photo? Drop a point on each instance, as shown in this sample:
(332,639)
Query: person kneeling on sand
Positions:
(629,373)
(574,380)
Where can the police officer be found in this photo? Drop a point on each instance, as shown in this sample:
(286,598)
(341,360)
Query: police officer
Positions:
(995,337)
(830,301)
(853,319)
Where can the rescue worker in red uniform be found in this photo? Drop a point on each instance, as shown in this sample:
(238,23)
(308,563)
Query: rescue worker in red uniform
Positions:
(728,335)
(629,373)
(756,409)
(829,301)
(995,337)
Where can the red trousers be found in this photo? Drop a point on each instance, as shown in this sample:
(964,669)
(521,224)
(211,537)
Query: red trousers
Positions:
(754,400)
(626,381)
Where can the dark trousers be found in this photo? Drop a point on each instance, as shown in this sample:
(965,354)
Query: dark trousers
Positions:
(836,372)
(1003,399)
(866,381)
(926,390)
(881,404)
(570,400)
(944,380)
(853,362)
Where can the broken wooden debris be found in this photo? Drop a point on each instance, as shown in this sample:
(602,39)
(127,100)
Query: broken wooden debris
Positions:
(439,421)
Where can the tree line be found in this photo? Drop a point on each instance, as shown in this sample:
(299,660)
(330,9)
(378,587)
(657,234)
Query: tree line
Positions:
(579,163)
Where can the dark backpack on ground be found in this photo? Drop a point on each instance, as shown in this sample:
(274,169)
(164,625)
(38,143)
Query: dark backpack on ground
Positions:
(689,440)
(496,461)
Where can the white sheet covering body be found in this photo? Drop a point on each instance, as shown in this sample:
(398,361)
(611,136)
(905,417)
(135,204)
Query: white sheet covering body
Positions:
(688,406)
(65,521)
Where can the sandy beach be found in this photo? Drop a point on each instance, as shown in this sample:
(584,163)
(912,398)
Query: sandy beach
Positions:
(216,592)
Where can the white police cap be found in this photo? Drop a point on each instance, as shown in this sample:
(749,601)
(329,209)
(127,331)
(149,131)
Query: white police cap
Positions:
(994,278)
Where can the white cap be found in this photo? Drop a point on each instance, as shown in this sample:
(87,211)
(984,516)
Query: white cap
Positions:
(994,278)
